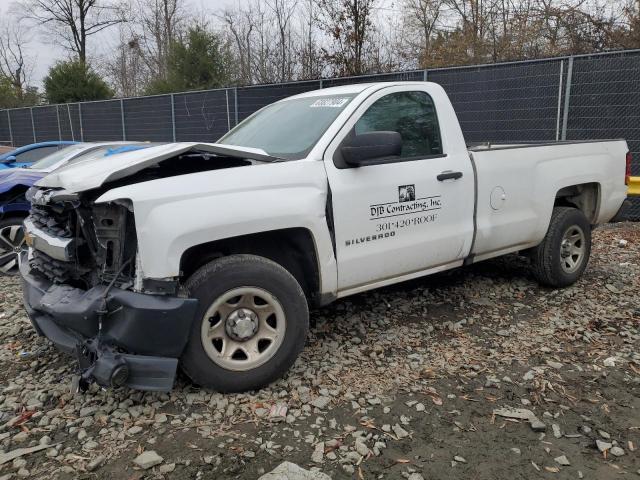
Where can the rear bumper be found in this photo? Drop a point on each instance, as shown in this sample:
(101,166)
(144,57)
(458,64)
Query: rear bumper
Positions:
(147,333)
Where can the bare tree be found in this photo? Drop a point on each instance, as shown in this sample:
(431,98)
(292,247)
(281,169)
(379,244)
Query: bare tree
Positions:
(126,68)
(309,53)
(240,25)
(156,24)
(284,10)
(421,19)
(13,62)
(348,24)
(74,21)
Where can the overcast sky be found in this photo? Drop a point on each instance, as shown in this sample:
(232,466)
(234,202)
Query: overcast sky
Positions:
(43,51)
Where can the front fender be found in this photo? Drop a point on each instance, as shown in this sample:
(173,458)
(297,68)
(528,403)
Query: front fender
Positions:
(177,213)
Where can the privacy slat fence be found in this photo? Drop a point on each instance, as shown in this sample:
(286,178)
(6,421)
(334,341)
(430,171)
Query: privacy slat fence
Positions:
(567,98)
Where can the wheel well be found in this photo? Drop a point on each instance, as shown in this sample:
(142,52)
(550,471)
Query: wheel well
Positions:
(292,248)
(584,197)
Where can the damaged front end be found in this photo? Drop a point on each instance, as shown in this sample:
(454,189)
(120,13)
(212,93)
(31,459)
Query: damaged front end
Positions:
(84,291)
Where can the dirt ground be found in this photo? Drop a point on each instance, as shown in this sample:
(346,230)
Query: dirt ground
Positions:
(403,382)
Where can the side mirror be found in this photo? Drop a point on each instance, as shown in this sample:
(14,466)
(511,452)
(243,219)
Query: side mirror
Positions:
(371,148)
(9,159)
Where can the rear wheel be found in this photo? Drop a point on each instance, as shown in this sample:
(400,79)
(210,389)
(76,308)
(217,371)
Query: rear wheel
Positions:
(563,255)
(11,244)
(251,324)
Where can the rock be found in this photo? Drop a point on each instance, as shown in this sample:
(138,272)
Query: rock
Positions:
(415,476)
(135,429)
(612,288)
(616,451)
(556,430)
(529,375)
(562,460)
(459,459)
(604,434)
(95,463)
(603,446)
(609,362)
(321,402)
(399,431)
(160,418)
(20,437)
(291,471)
(352,457)
(586,429)
(420,407)
(318,453)
(361,448)
(167,468)
(516,450)
(537,425)
(148,459)
(522,414)
(556,365)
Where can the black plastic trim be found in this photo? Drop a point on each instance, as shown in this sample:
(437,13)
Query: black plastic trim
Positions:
(138,323)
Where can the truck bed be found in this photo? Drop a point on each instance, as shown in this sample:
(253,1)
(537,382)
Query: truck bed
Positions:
(517,185)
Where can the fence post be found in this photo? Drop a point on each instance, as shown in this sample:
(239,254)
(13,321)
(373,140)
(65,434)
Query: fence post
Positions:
(567,95)
(173,117)
(424,75)
(10,129)
(80,121)
(59,128)
(124,131)
(235,103)
(73,138)
(33,125)
(559,101)
(320,83)
(226,94)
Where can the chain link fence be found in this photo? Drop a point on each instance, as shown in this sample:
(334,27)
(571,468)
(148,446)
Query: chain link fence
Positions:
(569,98)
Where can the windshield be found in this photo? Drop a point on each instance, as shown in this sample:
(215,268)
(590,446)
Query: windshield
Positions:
(55,157)
(288,129)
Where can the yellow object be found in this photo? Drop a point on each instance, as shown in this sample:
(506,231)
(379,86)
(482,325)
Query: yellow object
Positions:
(634,187)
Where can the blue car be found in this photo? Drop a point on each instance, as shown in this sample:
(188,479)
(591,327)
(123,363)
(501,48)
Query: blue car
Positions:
(14,182)
(25,156)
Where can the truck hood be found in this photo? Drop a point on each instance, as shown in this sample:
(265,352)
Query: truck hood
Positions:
(93,173)
(18,176)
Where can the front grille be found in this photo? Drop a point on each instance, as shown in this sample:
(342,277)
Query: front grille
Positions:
(58,221)
(55,270)
(55,224)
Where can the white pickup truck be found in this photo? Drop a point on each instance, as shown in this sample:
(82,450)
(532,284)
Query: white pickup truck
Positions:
(209,255)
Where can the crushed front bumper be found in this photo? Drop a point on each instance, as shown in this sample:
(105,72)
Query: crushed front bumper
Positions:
(141,339)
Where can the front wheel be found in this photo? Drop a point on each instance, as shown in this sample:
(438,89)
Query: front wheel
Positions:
(251,323)
(563,255)
(11,244)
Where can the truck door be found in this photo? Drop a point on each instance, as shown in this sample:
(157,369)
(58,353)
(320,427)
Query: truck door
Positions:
(405,215)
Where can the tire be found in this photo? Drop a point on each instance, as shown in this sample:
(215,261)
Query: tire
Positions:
(562,257)
(11,244)
(251,323)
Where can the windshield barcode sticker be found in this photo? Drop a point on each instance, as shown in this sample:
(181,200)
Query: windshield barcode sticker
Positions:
(329,103)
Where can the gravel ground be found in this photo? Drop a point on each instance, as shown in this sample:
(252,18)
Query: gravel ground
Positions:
(475,373)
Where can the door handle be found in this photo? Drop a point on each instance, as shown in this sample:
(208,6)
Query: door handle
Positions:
(449,176)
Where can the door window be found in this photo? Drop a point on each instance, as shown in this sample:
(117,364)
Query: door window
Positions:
(36,154)
(412,115)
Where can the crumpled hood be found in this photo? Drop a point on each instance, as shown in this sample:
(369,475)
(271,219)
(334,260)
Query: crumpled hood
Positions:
(93,173)
(18,176)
